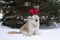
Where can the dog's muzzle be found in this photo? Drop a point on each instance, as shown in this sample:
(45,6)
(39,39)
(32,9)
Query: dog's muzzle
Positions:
(36,20)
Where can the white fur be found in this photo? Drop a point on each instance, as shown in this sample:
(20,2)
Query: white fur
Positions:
(31,27)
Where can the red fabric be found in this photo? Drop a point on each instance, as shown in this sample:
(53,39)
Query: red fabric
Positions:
(36,11)
(32,11)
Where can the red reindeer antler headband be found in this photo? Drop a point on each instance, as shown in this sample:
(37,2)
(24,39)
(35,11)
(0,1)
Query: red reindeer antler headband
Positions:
(32,11)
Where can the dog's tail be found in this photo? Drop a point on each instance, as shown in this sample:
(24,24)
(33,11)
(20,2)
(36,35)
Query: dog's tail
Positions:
(13,32)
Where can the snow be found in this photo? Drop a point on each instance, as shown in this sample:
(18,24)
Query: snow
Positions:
(1,15)
(46,33)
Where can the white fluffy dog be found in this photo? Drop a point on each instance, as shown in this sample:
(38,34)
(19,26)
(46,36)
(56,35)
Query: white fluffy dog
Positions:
(30,28)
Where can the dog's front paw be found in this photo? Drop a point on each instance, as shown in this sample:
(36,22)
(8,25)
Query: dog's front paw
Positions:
(28,35)
(37,33)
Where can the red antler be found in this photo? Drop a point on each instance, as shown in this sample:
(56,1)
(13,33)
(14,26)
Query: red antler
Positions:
(31,11)
(37,11)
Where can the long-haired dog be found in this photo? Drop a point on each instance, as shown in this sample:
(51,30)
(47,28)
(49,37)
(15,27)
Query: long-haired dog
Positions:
(30,28)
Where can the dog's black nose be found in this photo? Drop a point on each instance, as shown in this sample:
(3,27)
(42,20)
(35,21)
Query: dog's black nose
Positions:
(36,20)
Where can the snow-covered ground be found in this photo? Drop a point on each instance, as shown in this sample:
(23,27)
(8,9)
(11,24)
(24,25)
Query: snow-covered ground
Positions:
(46,33)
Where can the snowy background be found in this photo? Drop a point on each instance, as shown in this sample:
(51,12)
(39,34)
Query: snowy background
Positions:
(46,33)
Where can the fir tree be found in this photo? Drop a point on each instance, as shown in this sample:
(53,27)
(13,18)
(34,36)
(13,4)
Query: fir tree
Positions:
(17,10)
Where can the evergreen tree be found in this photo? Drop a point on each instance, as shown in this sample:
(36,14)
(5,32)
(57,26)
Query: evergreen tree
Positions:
(15,11)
